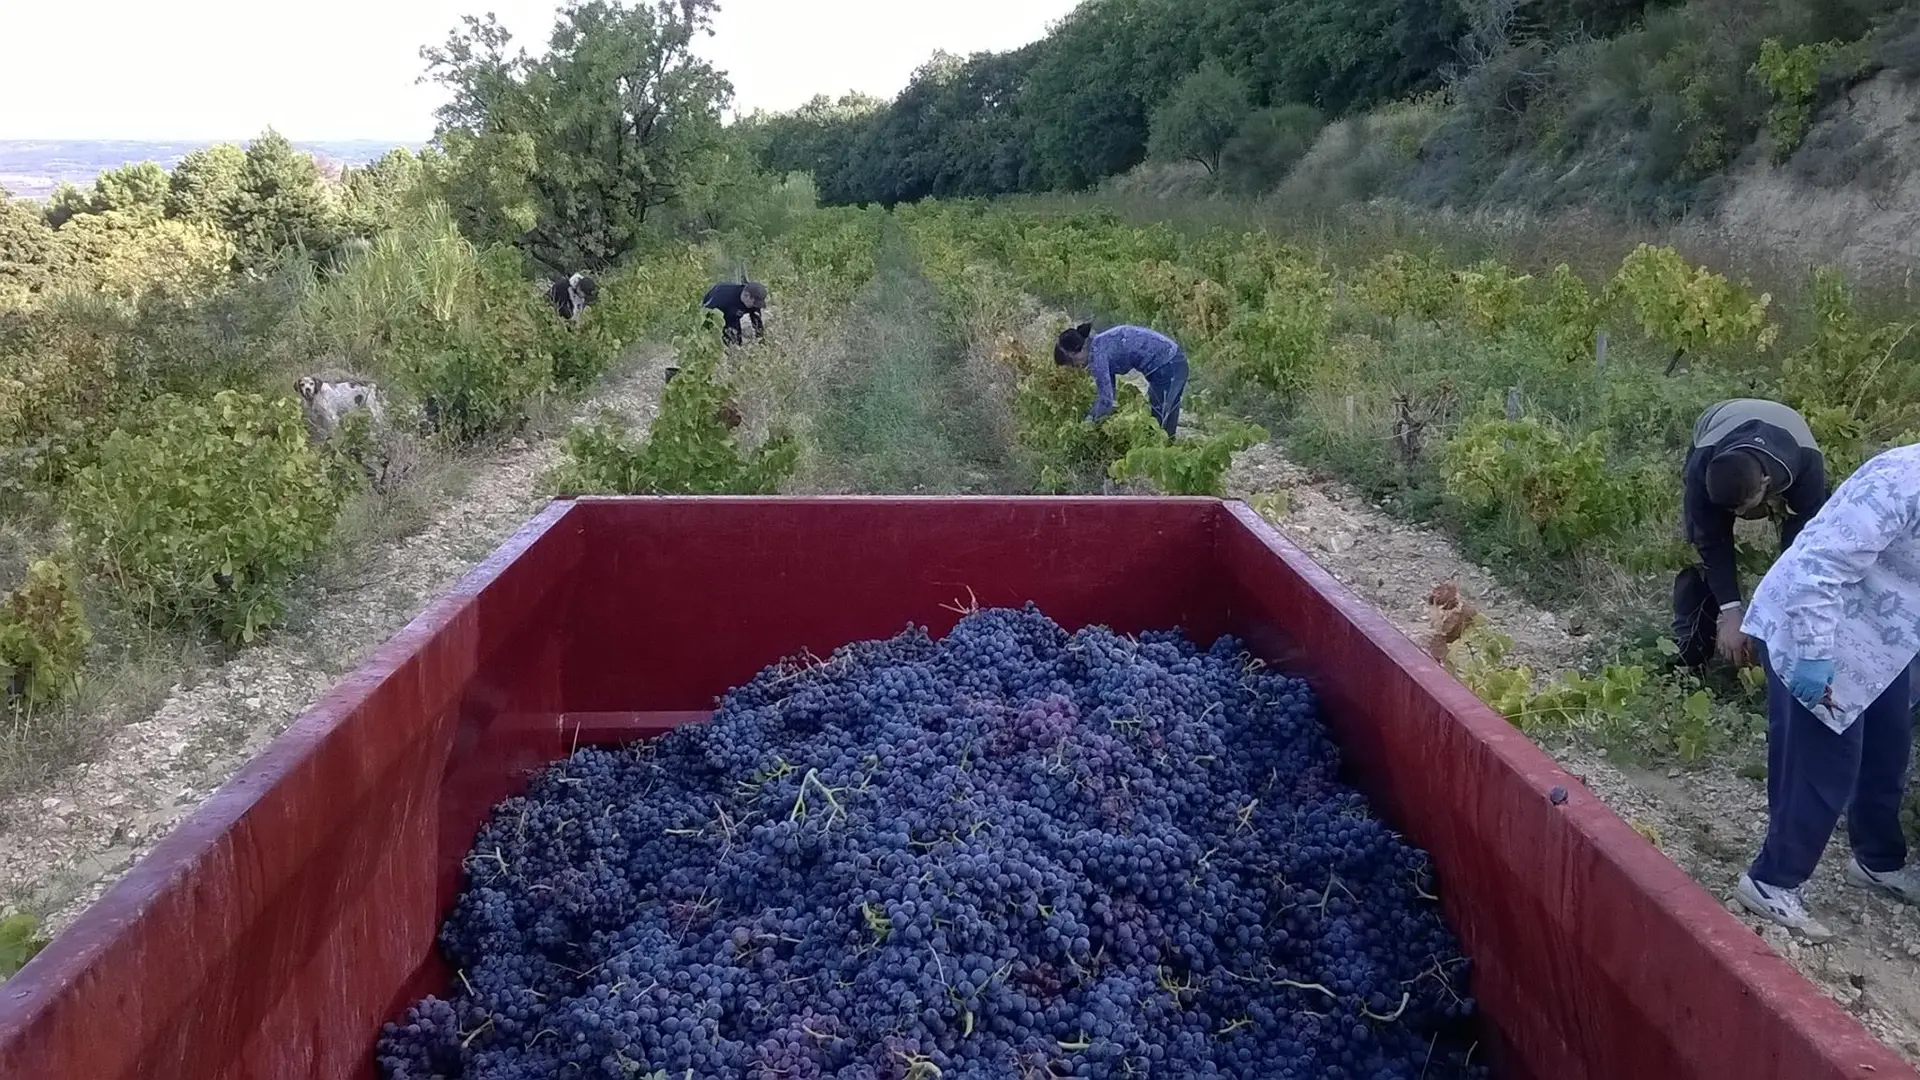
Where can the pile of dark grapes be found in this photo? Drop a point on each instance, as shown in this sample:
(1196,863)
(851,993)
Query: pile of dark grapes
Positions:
(1010,853)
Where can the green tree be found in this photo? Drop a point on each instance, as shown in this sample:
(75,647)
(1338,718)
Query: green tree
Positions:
(66,203)
(283,201)
(1091,88)
(204,188)
(135,189)
(1075,106)
(1201,116)
(374,195)
(486,179)
(957,129)
(29,250)
(620,117)
(1268,145)
(137,257)
(810,139)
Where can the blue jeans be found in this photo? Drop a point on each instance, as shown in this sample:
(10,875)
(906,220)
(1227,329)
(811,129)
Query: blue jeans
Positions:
(1165,387)
(1814,773)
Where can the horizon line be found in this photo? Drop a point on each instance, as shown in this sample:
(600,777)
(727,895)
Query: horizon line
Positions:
(208,138)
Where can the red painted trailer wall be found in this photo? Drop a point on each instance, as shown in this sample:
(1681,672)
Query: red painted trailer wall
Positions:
(268,937)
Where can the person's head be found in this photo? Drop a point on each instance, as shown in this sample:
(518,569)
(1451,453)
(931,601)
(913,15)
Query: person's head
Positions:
(753,296)
(1074,346)
(1736,481)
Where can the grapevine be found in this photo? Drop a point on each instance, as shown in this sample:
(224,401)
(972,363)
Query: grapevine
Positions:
(1690,309)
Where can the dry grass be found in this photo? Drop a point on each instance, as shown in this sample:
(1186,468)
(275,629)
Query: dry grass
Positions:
(134,670)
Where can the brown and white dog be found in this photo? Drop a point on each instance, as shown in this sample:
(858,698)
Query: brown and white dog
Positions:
(326,401)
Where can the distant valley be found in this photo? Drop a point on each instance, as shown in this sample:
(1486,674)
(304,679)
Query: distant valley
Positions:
(34,167)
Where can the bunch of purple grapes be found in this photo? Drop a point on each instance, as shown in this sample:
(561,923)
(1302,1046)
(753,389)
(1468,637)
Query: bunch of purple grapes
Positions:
(1012,853)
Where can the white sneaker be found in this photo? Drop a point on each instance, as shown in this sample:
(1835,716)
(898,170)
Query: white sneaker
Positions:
(1782,906)
(1902,884)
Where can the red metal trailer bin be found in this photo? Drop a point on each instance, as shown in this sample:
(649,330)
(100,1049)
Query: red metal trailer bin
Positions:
(271,934)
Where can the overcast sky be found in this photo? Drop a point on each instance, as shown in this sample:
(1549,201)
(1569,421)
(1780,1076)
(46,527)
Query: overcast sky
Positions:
(345,69)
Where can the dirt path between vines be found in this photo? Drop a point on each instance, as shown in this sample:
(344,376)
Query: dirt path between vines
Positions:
(1708,820)
(62,846)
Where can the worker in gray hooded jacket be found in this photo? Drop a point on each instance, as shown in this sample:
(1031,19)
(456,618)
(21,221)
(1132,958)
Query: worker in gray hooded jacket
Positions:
(1751,459)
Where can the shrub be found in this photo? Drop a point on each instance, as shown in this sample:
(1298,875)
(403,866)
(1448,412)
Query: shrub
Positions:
(1564,490)
(690,449)
(1268,145)
(1190,466)
(1404,283)
(138,259)
(1361,157)
(43,636)
(1490,296)
(204,516)
(1791,76)
(20,941)
(1567,318)
(1161,293)
(1278,343)
(1847,362)
(1690,309)
(65,377)
(639,300)
(458,329)
(1051,404)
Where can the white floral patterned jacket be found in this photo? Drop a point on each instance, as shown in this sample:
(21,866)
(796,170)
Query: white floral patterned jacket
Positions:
(1848,590)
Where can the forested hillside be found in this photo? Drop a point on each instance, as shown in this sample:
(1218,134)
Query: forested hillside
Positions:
(1636,106)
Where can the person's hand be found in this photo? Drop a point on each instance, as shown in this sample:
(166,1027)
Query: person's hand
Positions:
(1732,641)
(1810,681)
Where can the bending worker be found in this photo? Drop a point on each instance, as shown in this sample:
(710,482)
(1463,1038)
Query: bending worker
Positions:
(1837,621)
(1121,349)
(1751,459)
(733,299)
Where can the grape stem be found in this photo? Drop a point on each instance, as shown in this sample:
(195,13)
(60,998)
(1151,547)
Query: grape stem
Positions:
(800,802)
(1371,1015)
(1307,986)
(971,607)
(476,1033)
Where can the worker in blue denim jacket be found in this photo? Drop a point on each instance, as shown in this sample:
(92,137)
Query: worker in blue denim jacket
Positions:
(1837,625)
(1116,351)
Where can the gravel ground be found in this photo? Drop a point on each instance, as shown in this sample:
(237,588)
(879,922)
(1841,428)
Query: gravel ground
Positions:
(61,847)
(1709,820)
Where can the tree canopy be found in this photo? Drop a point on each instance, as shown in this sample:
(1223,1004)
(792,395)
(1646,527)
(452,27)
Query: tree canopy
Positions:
(204,187)
(282,201)
(567,154)
(1200,117)
(141,232)
(1078,105)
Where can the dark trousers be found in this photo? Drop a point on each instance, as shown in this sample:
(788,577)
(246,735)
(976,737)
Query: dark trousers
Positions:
(1696,617)
(1814,773)
(731,331)
(1164,391)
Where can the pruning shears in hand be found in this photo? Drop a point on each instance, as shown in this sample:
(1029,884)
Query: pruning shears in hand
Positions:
(1826,700)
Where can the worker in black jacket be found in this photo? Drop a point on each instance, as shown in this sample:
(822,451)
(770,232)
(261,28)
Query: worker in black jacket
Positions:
(734,299)
(1751,459)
